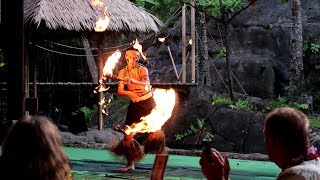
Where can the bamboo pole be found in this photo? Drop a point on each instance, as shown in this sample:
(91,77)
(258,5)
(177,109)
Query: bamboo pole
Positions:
(184,70)
(193,45)
(26,75)
(100,73)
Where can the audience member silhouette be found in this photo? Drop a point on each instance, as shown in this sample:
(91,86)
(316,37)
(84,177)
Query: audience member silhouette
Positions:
(33,150)
(287,144)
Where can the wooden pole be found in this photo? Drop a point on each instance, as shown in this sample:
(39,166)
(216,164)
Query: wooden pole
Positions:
(100,73)
(193,45)
(26,71)
(34,78)
(173,64)
(184,70)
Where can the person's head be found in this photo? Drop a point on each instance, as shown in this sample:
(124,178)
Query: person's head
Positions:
(286,136)
(33,150)
(132,57)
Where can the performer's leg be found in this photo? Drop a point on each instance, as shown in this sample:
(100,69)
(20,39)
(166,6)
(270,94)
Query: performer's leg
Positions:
(134,152)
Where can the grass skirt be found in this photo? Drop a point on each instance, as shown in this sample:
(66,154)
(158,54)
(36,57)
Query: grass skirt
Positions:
(130,149)
(155,143)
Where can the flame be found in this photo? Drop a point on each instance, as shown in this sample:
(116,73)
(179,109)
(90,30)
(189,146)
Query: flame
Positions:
(165,100)
(103,22)
(110,64)
(101,87)
(190,41)
(103,103)
(138,46)
(96,3)
(162,39)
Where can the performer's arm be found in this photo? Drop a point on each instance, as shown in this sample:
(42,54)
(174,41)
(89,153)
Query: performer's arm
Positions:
(133,96)
(145,78)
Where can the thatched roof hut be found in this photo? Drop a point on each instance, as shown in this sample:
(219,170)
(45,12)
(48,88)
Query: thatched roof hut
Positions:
(79,15)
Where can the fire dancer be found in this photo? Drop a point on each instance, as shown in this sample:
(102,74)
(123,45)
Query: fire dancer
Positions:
(135,84)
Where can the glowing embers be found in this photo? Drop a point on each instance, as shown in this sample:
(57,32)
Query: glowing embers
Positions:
(165,100)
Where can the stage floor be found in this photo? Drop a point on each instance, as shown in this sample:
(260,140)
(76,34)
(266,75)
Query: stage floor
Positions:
(92,164)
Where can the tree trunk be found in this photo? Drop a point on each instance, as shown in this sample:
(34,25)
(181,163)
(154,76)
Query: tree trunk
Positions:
(204,66)
(227,25)
(296,64)
(228,64)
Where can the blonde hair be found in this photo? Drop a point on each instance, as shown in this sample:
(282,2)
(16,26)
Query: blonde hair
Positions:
(33,150)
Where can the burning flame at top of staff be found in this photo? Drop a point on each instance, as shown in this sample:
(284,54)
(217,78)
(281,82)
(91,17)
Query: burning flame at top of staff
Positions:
(135,44)
(96,3)
(161,39)
(111,63)
(108,70)
(165,100)
(103,22)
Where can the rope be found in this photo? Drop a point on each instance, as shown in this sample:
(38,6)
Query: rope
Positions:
(125,46)
(239,83)
(63,53)
(175,14)
(71,47)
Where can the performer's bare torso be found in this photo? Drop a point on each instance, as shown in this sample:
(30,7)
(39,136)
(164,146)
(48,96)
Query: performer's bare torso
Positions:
(136,81)
(138,89)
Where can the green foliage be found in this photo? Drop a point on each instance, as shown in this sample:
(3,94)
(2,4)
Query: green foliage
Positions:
(159,8)
(315,48)
(209,137)
(316,99)
(222,53)
(314,122)
(221,101)
(192,129)
(213,6)
(270,26)
(305,47)
(239,104)
(276,103)
(283,102)
(88,112)
(242,104)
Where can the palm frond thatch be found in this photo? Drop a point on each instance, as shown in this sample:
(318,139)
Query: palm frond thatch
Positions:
(79,15)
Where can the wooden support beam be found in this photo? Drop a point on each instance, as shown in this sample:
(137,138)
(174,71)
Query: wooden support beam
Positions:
(173,64)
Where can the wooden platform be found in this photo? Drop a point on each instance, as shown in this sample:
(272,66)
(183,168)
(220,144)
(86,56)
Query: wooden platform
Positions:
(113,86)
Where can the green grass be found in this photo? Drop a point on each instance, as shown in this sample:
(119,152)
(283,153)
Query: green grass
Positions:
(314,122)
